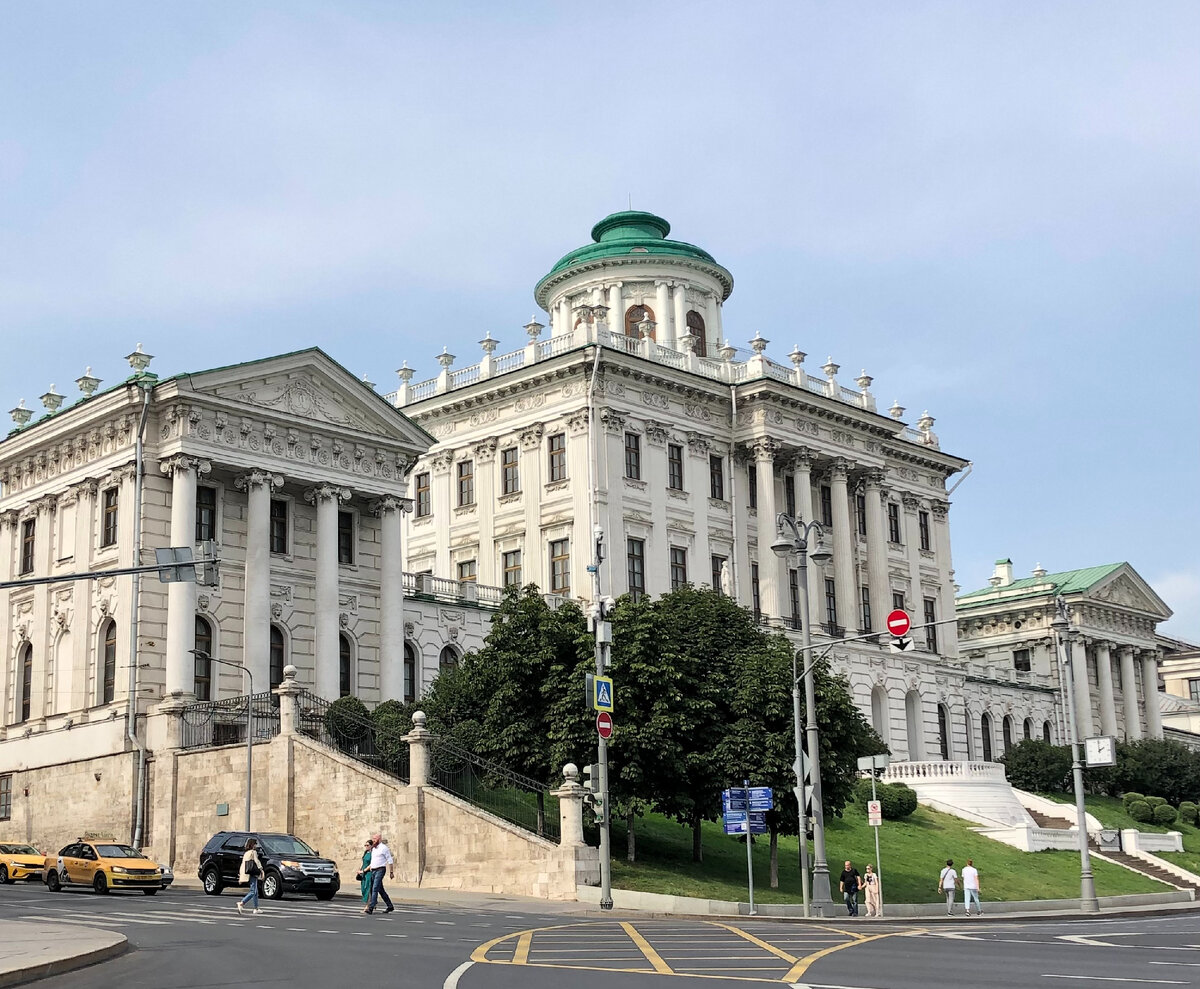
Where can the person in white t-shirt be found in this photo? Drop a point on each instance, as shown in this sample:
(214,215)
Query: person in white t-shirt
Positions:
(970,882)
(946,883)
(381,861)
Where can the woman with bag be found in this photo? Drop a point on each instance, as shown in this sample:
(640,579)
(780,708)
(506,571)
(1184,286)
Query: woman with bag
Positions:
(364,872)
(871,885)
(250,872)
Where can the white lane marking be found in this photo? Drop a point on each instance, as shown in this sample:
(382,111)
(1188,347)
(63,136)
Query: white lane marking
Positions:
(1113,978)
(395,935)
(90,923)
(129,918)
(265,927)
(448,923)
(297,930)
(361,933)
(434,937)
(1181,964)
(452,979)
(329,932)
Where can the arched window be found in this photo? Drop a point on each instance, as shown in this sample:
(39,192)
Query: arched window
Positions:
(985,729)
(108,638)
(912,719)
(448,657)
(633,316)
(202,667)
(944,731)
(278,656)
(970,736)
(695,326)
(879,712)
(345,665)
(1008,732)
(26,665)
(1046,732)
(410,673)
(1028,730)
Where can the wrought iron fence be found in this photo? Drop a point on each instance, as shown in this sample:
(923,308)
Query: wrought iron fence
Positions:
(358,737)
(518,799)
(223,722)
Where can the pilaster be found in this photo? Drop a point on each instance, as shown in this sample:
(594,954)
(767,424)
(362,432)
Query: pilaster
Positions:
(843,552)
(1129,695)
(327,500)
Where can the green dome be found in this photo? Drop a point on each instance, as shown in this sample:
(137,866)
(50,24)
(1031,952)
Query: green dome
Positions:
(628,235)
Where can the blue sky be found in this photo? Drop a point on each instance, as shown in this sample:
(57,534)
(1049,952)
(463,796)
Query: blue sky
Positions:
(993,208)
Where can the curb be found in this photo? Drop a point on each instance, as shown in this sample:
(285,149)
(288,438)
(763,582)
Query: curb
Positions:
(43,970)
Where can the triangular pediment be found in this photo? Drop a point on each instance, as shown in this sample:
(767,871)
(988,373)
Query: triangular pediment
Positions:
(1126,589)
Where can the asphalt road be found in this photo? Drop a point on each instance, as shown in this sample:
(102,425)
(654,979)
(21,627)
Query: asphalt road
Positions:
(185,940)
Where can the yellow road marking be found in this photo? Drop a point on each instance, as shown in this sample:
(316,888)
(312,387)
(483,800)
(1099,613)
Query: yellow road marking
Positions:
(803,964)
(652,956)
(521,955)
(837,930)
(777,952)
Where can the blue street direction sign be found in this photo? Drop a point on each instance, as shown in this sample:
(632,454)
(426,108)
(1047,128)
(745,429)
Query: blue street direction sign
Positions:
(762,798)
(602,693)
(735,822)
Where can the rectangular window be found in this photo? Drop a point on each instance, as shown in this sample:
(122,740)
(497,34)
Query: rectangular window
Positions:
(898,601)
(794,593)
(860,509)
(5,797)
(752,485)
(279,525)
(674,467)
(923,528)
(1194,689)
(346,538)
(757,601)
(826,505)
(716,477)
(931,631)
(560,566)
(893,522)
(556,446)
(789,494)
(866,608)
(466,483)
(28,532)
(467,571)
(1021,661)
(424,496)
(206,513)
(511,470)
(108,521)
(678,567)
(633,456)
(512,568)
(717,563)
(831,605)
(635,567)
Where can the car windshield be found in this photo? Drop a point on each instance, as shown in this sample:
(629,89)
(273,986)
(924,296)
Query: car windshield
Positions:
(118,852)
(285,844)
(18,850)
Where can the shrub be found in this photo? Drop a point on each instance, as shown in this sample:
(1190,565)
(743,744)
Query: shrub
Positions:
(1035,765)
(1160,766)
(1165,814)
(896,800)
(1187,812)
(1155,802)
(1140,811)
(348,721)
(1130,797)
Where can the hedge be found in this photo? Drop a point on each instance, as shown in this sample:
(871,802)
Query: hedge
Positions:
(896,800)
(1165,814)
(1140,811)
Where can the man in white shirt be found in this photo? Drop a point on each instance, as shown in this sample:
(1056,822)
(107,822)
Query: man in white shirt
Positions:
(970,881)
(946,883)
(381,860)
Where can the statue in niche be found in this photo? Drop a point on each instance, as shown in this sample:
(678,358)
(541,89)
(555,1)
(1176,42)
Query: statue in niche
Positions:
(726,579)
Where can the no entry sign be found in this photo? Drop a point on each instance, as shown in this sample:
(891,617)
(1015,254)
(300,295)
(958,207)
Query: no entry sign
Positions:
(604,725)
(898,622)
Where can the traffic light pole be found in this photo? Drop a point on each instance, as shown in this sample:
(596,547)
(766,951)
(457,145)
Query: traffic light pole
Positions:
(603,635)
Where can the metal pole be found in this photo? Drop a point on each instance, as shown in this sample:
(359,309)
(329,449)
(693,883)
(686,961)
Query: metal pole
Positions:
(249,744)
(749,855)
(1087,886)
(606,902)
(798,766)
(820,880)
(878,867)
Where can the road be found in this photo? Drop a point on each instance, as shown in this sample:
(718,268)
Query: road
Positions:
(183,939)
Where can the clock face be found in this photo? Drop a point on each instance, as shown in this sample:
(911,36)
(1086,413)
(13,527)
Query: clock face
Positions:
(1099,751)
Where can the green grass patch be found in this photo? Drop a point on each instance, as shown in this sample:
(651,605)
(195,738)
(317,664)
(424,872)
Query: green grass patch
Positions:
(1109,811)
(912,852)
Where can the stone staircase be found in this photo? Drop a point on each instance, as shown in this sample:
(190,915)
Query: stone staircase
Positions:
(1046,821)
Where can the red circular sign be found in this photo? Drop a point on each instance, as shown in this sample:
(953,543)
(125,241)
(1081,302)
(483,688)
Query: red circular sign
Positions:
(604,725)
(898,622)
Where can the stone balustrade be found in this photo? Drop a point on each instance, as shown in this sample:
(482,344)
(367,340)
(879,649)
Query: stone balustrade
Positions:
(943,772)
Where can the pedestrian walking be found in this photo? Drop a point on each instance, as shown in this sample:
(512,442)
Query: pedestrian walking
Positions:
(250,872)
(871,887)
(946,883)
(970,882)
(381,862)
(848,883)
(364,871)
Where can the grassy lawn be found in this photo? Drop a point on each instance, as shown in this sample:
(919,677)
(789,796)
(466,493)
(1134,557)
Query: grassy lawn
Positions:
(912,852)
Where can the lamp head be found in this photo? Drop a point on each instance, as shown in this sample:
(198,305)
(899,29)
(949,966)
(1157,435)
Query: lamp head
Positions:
(782,546)
(820,553)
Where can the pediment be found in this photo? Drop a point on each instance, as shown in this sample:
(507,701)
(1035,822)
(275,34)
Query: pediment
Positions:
(1126,589)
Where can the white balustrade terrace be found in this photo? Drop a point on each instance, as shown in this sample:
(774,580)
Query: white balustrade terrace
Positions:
(943,771)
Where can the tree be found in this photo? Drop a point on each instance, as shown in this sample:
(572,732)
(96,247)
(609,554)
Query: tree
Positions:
(1158,767)
(1033,764)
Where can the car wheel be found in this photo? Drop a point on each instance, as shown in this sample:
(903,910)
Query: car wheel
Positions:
(149,892)
(5,878)
(100,883)
(52,882)
(212,883)
(325,894)
(272,886)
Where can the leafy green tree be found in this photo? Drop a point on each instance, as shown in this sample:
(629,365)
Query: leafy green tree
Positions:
(1160,767)
(1033,764)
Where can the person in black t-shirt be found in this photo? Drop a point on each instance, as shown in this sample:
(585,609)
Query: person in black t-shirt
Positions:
(848,883)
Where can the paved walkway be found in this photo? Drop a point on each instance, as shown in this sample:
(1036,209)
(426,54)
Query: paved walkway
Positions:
(36,950)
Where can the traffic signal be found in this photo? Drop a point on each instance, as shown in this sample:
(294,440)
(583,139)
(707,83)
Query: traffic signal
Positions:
(595,795)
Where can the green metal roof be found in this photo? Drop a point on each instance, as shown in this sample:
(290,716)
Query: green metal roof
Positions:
(1067,582)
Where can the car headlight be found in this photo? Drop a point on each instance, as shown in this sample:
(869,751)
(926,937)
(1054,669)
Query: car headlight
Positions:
(119,868)
(289,863)
(165,870)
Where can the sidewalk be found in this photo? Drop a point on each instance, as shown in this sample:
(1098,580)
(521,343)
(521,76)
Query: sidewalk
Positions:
(36,950)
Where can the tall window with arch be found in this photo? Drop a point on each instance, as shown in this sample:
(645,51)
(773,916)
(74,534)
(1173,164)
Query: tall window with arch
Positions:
(633,316)
(202,667)
(985,729)
(345,666)
(695,326)
(410,673)
(944,731)
(25,664)
(1028,729)
(278,656)
(1007,727)
(448,657)
(108,661)
(1046,732)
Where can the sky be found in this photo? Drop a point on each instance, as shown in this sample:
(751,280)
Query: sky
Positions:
(993,208)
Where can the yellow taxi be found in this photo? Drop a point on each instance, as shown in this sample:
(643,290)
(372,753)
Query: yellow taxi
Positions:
(19,862)
(103,864)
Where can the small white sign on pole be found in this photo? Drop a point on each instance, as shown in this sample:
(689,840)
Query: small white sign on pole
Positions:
(874,813)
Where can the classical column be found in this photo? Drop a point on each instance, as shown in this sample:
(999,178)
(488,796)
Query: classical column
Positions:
(534,566)
(1104,687)
(1084,721)
(667,333)
(256,618)
(877,551)
(9,524)
(948,642)
(712,320)
(579,453)
(912,549)
(391,599)
(1150,695)
(485,501)
(805,513)
(444,497)
(769,565)
(181,595)
(1129,696)
(679,313)
(740,463)
(327,498)
(616,309)
(843,550)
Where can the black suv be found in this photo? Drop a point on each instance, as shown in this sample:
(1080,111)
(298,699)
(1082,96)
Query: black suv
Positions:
(288,863)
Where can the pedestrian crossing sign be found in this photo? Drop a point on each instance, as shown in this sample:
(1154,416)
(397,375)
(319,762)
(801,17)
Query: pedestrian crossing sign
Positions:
(602,693)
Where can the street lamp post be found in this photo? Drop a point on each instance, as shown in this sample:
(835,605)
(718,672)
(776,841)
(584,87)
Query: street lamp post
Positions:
(782,547)
(1063,634)
(201,654)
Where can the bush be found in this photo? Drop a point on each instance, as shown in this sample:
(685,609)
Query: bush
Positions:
(1035,765)
(1187,812)
(1160,766)
(1130,797)
(896,800)
(1166,814)
(348,721)
(1140,811)
(1156,802)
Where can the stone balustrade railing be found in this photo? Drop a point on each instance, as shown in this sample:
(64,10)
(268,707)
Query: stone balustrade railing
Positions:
(943,771)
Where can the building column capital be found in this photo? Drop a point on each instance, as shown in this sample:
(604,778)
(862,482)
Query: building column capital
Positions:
(327,492)
(911,502)
(388,504)
(840,469)
(181,463)
(258,479)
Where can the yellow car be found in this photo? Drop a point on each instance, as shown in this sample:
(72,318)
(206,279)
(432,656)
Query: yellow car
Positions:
(103,864)
(20,862)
